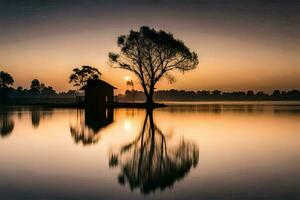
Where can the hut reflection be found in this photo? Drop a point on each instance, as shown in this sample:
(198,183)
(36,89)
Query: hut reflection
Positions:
(87,129)
(148,163)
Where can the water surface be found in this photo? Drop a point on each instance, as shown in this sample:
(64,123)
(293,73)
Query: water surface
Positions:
(203,151)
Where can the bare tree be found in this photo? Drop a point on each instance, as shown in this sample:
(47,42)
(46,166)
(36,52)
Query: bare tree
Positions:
(151,55)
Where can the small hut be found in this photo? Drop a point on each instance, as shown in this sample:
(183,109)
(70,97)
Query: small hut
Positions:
(98,94)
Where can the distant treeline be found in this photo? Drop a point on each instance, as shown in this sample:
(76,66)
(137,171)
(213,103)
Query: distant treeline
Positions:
(37,93)
(205,95)
(41,93)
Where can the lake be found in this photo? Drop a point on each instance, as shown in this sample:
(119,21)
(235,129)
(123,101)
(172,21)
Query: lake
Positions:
(229,150)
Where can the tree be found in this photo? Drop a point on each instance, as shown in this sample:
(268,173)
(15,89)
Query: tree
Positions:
(131,83)
(5,80)
(80,76)
(250,93)
(48,91)
(276,93)
(151,55)
(216,92)
(19,89)
(35,87)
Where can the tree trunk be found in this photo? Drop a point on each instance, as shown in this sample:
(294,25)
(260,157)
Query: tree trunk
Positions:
(150,102)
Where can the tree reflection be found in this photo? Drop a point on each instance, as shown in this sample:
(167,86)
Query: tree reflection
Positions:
(87,130)
(149,163)
(6,124)
(39,113)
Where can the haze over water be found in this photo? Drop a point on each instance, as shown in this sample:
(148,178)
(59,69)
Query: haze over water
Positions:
(206,151)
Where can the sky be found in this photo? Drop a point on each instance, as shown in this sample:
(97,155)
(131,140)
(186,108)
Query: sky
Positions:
(241,44)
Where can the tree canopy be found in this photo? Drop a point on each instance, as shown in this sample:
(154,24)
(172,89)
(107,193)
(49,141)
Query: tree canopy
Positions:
(5,79)
(151,55)
(80,76)
(35,87)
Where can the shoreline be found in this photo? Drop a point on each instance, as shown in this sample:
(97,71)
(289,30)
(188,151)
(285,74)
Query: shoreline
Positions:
(159,104)
(80,105)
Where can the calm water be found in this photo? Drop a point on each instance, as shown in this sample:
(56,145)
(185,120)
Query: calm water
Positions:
(221,151)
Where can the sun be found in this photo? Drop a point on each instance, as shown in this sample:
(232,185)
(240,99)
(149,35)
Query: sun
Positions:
(127,78)
(127,126)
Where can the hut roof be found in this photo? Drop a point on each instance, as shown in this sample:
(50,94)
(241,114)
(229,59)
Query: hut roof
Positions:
(97,83)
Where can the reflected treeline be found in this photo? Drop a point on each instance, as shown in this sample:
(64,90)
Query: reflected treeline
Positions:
(216,108)
(6,123)
(89,123)
(235,108)
(37,114)
(150,162)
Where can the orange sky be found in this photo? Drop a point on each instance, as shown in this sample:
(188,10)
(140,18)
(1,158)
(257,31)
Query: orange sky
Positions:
(234,53)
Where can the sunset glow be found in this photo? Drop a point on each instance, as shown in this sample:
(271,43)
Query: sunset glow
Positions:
(150,99)
(235,53)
